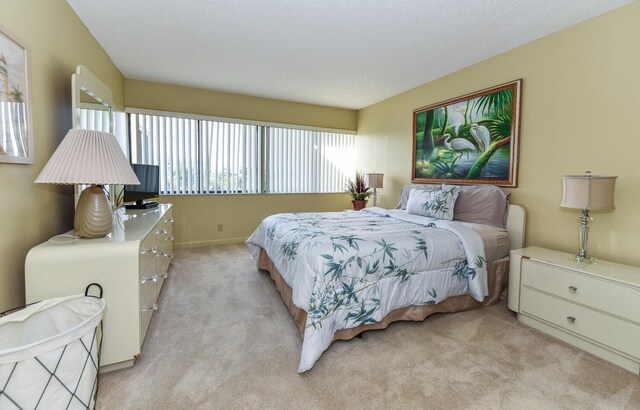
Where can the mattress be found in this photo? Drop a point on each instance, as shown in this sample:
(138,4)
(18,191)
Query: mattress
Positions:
(495,240)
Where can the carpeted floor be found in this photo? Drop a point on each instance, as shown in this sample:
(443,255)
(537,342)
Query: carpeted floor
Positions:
(223,339)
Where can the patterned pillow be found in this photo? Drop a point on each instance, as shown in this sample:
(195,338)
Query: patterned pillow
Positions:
(406,190)
(435,204)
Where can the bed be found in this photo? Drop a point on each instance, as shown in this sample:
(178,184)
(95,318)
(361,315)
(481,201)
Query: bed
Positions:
(343,273)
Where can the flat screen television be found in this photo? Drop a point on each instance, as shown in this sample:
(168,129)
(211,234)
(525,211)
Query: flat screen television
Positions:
(149,176)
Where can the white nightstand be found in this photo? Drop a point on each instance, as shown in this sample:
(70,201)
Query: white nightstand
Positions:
(595,307)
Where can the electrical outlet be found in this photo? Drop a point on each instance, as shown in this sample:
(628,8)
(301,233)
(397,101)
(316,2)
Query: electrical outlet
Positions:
(220,228)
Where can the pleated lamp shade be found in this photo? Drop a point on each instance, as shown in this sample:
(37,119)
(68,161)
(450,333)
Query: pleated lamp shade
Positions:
(88,157)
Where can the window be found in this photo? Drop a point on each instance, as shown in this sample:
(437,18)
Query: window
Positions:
(218,156)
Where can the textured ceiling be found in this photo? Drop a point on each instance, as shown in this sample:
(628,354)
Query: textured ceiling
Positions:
(341,53)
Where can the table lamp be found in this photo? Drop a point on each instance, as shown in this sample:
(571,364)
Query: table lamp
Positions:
(587,192)
(375,182)
(95,158)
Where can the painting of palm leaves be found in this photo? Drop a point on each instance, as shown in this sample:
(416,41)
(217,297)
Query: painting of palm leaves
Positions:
(472,138)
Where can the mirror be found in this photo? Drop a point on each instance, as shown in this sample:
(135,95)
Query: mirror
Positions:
(92,102)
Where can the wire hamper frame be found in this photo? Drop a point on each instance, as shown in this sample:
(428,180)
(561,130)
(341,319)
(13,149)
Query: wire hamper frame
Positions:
(66,375)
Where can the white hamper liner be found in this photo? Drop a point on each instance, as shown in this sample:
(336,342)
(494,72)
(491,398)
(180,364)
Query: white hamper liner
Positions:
(49,355)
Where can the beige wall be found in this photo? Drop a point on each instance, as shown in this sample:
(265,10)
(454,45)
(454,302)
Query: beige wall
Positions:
(58,42)
(198,217)
(165,97)
(581,99)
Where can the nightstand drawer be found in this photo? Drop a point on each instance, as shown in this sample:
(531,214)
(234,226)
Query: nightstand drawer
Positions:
(614,298)
(600,327)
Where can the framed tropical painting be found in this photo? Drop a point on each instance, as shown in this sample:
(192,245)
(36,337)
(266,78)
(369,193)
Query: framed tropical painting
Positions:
(16,137)
(469,139)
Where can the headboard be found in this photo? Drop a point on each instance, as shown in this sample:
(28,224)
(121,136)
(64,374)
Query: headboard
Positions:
(516,223)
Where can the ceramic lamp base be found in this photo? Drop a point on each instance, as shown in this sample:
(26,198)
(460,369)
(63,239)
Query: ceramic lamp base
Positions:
(94,217)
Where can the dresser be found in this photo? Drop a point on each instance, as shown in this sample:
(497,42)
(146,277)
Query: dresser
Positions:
(130,264)
(595,307)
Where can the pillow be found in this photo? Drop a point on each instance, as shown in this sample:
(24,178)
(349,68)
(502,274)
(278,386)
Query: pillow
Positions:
(406,190)
(433,203)
(483,204)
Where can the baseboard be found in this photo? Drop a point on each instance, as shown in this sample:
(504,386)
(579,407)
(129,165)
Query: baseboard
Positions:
(199,244)
(116,366)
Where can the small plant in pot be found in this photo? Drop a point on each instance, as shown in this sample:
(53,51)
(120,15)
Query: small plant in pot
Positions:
(359,191)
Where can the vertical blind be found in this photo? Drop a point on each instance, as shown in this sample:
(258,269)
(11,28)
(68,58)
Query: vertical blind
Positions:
(96,120)
(307,161)
(202,156)
(230,157)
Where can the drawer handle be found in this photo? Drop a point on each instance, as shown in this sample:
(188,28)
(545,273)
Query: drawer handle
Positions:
(146,279)
(573,289)
(571,319)
(163,276)
(168,238)
(152,307)
(153,250)
(162,232)
(170,220)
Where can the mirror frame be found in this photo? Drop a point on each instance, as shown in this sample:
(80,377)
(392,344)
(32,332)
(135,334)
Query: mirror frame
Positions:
(85,81)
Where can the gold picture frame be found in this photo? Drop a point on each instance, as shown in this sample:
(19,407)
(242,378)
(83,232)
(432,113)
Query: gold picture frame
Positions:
(469,139)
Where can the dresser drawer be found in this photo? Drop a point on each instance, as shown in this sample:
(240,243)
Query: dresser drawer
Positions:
(616,333)
(166,224)
(165,244)
(148,300)
(148,251)
(616,298)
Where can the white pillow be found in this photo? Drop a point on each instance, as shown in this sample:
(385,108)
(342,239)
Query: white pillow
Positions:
(406,190)
(434,204)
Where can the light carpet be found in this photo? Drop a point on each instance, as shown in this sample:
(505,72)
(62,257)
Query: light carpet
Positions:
(223,339)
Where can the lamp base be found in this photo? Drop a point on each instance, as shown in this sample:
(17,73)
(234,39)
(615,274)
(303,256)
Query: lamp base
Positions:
(583,259)
(94,217)
(582,256)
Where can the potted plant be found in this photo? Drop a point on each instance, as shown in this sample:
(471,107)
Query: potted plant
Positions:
(359,191)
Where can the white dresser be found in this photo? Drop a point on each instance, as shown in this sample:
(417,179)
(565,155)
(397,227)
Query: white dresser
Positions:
(595,307)
(130,264)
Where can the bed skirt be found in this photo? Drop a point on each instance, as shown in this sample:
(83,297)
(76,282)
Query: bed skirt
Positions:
(498,277)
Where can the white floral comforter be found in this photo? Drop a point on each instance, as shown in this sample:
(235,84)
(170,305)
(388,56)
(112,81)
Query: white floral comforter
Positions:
(351,268)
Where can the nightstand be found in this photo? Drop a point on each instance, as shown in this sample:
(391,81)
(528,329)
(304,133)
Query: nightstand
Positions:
(595,307)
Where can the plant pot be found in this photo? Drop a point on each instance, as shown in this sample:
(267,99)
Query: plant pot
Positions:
(359,204)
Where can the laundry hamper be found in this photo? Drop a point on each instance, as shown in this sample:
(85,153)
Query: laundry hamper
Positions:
(50,353)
